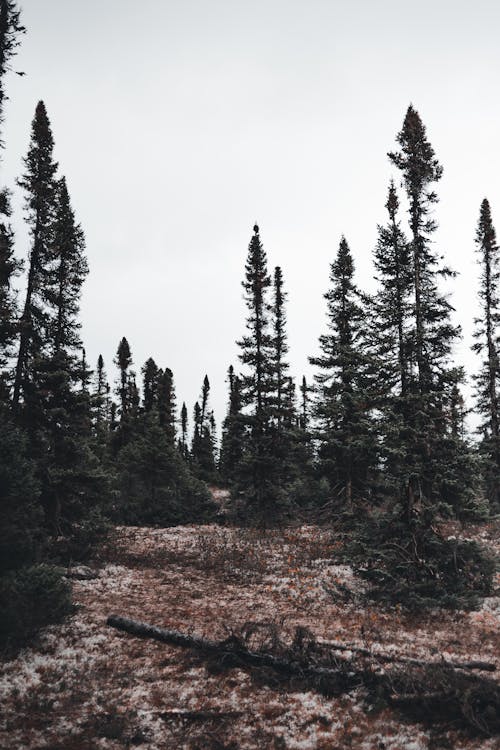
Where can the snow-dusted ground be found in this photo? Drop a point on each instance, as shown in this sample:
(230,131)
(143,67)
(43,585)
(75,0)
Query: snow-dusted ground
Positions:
(83,685)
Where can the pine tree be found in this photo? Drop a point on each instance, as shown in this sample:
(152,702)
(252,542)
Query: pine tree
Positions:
(390,327)
(40,186)
(10,30)
(203,445)
(283,411)
(9,267)
(487,345)
(256,346)
(304,405)
(433,333)
(347,446)
(233,431)
(166,405)
(59,400)
(123,360)
(257,479)
(184,431)
(101,406)
(150,385)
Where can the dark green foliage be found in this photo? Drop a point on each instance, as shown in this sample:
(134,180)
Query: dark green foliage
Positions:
(29,599)
(8,324)
(155,484)
(432,376)
(123,360)
(203,444)
(487,345)
(21,537)
(40,186)
(10,30)
(347,441)
(416,566)
(150,375)
(258,480)
(233,431)
(183,444)
(101,407)
(166,404)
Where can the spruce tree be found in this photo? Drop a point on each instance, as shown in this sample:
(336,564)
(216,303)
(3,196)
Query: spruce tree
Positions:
(123,360)
(256,477)
(150,384)
(390,326)
(487,346)
(9,268)
(433,333)
(233,431)
(203,445)
(10,30)
(59,400)
(40,186)
(184,431)
(167,405)
(347,445)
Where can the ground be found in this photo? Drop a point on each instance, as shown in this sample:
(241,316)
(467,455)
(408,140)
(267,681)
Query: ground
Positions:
(82,685)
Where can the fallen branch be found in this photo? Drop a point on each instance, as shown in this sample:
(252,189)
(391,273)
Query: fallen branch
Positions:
(485,666)
(233,650)
(431,692)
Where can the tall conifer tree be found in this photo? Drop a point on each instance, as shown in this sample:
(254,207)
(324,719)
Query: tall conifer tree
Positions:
(487,345)
(433,332)
(347,449)
(40,186)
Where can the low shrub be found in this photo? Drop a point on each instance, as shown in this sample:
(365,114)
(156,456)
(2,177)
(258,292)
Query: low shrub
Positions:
(30,598)
(416,566)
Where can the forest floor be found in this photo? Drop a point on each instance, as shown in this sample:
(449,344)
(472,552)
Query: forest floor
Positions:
(82,685)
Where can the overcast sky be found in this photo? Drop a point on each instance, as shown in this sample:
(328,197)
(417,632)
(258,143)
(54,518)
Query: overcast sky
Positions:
(179,123)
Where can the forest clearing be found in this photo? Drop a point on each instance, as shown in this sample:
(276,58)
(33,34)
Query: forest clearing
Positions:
(82,685)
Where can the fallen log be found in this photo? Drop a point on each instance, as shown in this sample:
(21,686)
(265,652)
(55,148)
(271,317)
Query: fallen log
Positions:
(434,692)
(233,650)
(234,647)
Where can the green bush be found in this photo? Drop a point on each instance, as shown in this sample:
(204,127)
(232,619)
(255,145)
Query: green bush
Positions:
(22,536)
(29,599)
(414,565)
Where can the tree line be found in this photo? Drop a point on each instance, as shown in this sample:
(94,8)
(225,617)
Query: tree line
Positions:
(381,427)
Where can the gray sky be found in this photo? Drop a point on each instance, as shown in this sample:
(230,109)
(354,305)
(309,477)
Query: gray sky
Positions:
(179,123)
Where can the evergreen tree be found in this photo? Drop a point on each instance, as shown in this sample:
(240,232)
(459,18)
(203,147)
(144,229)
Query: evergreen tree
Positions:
(8,269)
(259,479)
(123,360)
(10,30)
(283,410)
(184,431)
(72,483)
(304,405)
(433,333)
(41,187)
(256,346)
(391,331)
(203,445)
(101,397)
(233,430)
(487,346)
(347,445)
(150,384)
(166,405)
